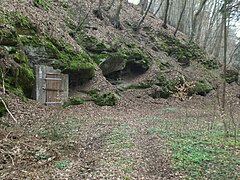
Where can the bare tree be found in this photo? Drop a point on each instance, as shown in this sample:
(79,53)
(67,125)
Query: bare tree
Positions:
(144,5)
(234,51)
(110,5)
(194,23)
(166,15)
(98,13)
(159,7)
(137,27)
(224,64)
(180,18)
(116,17)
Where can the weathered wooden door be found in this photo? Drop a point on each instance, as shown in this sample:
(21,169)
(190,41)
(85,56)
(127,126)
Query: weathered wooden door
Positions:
(54,88)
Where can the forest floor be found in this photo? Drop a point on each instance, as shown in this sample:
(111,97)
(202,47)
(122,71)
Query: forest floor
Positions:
(139,138)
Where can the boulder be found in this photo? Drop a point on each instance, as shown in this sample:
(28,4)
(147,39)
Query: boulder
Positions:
(232,76)
(112,64)
(8,37)
(200,88)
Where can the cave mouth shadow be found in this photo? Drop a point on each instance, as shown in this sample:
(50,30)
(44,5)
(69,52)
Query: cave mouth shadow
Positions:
(131,70)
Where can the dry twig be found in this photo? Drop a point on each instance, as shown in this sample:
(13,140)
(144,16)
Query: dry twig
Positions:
(8,110)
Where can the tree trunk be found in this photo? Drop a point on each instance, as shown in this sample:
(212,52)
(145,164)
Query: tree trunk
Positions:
(153,6)
(144,5)
(110,5)
(219,39)
(180,18)
(209,30)
(199,31)
(98,13)
(137,28)
(194,23)
(116,17)
(159,7)
(166,15)
(224,64)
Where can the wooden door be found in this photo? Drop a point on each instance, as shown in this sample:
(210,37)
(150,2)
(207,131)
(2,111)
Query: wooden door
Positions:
(54,88)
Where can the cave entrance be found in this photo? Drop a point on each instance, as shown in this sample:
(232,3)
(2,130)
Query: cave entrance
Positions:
(131,70)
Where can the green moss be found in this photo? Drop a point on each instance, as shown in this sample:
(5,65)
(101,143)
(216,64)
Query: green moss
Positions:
(68,59)
(11,49)
(26,79)
(133,53)
(18,21)
(184,52)
(162,92)
(231,76)
(141,85)
(137,56)
(27,40)
(41,4)
(8,37)
(201,88)
(99,58)
(211,64)
(167,86)
(20,57)
(74,62)
(74,101)
(104,98)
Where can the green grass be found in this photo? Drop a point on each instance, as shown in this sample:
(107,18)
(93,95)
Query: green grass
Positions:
(120,138)
(120,142)
(62,164)
(210,156)
(168,109)
(202,155)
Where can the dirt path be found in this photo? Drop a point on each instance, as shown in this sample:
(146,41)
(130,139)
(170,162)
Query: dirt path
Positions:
(116,144)
(92,142)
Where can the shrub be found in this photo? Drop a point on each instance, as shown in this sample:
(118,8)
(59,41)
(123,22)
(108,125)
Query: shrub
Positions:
(104,98)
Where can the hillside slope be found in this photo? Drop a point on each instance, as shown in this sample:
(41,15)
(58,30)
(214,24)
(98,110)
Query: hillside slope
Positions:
(98,56)
(163,88)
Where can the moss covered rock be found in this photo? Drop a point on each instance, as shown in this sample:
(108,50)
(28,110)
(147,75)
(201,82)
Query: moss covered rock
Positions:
(49,51)
(8,37)
(140,85)
(104,98)
(74,101)
(166,86)
(232,75)
(184,52)
(112,64)
(112,59)
(200,88)
(161,92)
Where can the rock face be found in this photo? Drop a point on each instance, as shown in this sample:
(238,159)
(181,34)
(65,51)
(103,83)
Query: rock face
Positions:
(121,56)
(40,55)
(8,37)
(112,64)
(24,48)
(123,63)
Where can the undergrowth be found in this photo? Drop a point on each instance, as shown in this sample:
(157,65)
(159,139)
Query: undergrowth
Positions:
(198,152)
